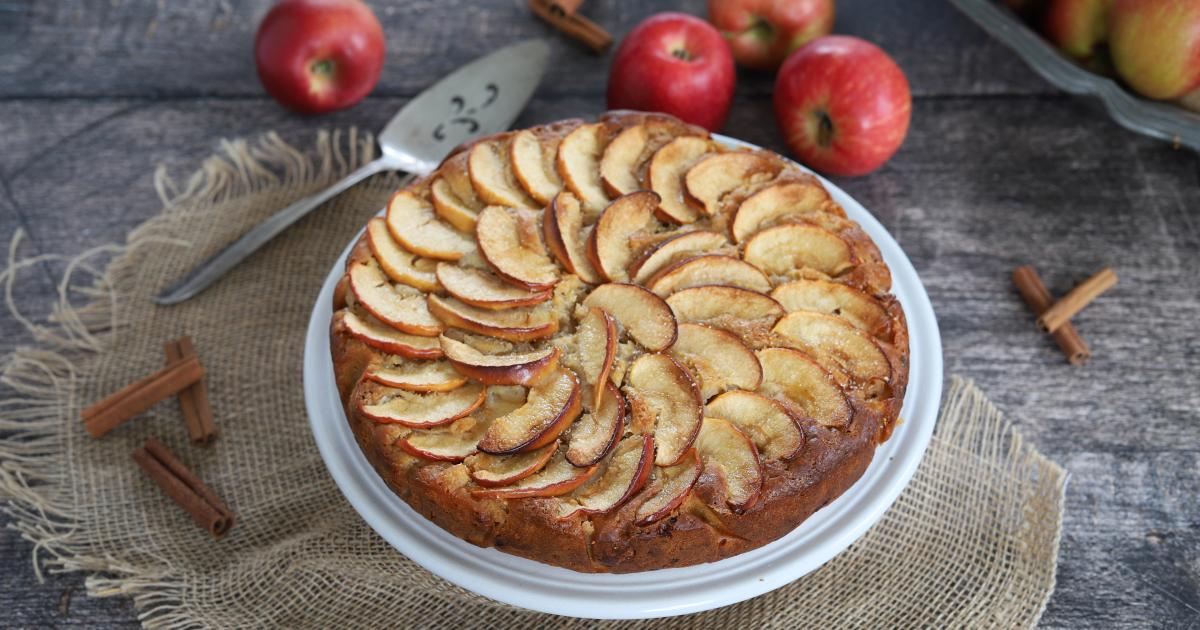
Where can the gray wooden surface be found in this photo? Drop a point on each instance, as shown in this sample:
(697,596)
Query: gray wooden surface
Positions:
(998,170)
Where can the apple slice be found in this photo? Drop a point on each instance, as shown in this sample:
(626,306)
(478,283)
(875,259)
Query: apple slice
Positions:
(717,359)
(511,243)
(418,411)
(833,298)
(775,432)
(798,196)
(401,266)
(712,179)
(592,350)
(491,471)
(413,224)
(674,249)
(626,472)
(491,173)
(515,324)
(623,165)
(533,164)
(566,237)
(518,368)
(795,379)
(645,316)
(578,163)
(413,376)
(708,269)
(380,336)
(837,345)
(608,247)
(557,477)
(480,288)
(453,195)
(595,433)
(664,400)
(732,455)
(451,443)
(780,249)
(669,489)
(715,304)
(552,405)
(397,305)
(665,174)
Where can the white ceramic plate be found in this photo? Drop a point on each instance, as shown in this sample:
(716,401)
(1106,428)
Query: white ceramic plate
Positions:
(665,592)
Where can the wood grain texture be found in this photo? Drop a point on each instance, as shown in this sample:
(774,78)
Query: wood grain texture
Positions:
(998,170)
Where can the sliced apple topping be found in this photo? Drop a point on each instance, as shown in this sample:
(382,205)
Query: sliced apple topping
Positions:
(664,400)
(795,197)
(380,336)
(783,248)
(557,477)
(665,176)
(718,359)
(713,304)
(775,432)
(533,165)
(517,368)
(552,405)
(578,164)
(669,489)
(399,265)
(849,303)
(626,472)
(417,376)
(732,455)
(837,345)
(491,471)
(492,175)
(595,433)
(453,195)
(451,443)
(511,243)
(793,378)
(608,246)
(619,165)
(515,324)
(485,290)
(708,269)
(674,249)
(567,238)
(714,178)
(397,305)
(645,316)
(418,410)
(591,350)
(412,222)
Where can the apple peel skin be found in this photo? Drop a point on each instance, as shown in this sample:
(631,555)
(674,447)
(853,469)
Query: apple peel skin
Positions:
(762,33)
(1155,46)
(673,485)
(627,471)
(552,405)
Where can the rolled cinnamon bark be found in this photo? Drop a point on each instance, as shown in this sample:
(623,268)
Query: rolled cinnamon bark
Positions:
(184,487)
(1065,308)
(1035,294)
(129,401)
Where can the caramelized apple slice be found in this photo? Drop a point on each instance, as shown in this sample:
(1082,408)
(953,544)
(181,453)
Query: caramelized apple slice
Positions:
(578,164)
(413,224)
(717,359)
(715,304)
(417,410)
(707,184)
(833,298)
(623,165)
(792,198)
(595,433)
(492,175)
(664,400)
(424,376)
(556,478)
(793,378)
(672,250)
(608,247)
(480,288)
(775,432)
(511,243)
(401,266)
(727,451)
(566,237)
(552,405)
(593,348)
(533,165)
(645,316)
(669,489)
(709,269)
(518,368)
(782,248)
(397,305)
(451,443)
(515,324)
(453,195)
(380,336)
(837,345)
(491,471)
(626,472)
(665,176)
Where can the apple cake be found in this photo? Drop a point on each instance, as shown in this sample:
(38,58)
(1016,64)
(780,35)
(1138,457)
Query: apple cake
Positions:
(617,345)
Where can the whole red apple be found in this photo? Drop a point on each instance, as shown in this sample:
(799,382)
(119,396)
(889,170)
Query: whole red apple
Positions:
(677,64)
(843,105)
(762,33)
(317,56)
(1155,45)
(1078,27)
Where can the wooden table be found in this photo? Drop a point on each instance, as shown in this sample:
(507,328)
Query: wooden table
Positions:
(999,169)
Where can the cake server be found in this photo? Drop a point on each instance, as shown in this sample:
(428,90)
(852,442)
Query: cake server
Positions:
(480,98)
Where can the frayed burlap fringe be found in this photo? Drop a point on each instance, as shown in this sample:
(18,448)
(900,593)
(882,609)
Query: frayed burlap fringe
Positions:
(972,542)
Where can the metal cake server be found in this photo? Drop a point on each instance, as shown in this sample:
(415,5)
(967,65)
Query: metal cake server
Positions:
(480,98)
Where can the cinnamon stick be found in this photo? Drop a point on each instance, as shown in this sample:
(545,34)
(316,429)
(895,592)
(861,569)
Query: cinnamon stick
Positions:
(562,15)
(129,401)
(1034,291)
(184,487)
(1066,307)
(193,400)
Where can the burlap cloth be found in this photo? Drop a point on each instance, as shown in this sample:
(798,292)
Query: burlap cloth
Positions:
(972,542)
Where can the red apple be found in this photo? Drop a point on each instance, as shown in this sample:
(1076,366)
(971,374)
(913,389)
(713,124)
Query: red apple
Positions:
(1155,45)
(677,64)
(1078,27)
(317,56)
(762,33)
(843,105)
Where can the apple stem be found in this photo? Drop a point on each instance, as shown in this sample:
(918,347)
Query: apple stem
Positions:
(761,29)
(322,68)
(681,53)
(824,129)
